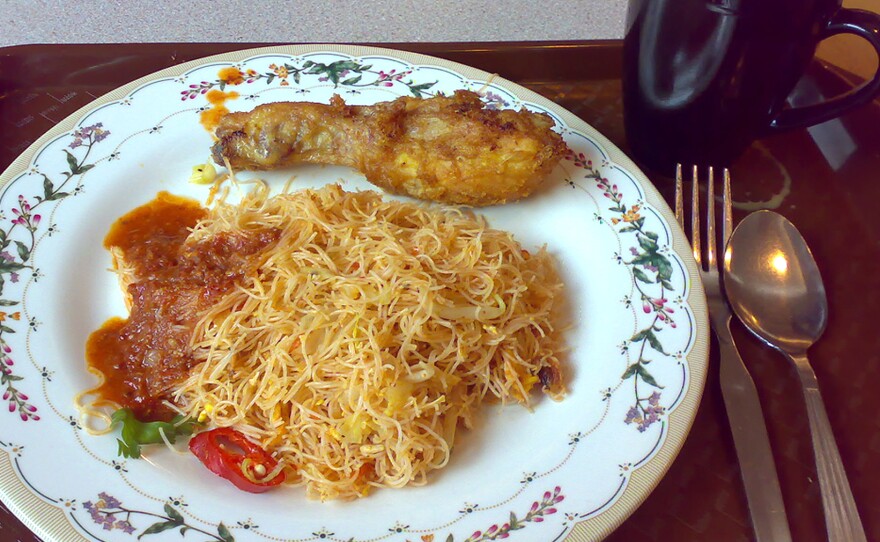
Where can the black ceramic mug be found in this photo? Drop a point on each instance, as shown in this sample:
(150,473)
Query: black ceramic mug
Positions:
(704,78)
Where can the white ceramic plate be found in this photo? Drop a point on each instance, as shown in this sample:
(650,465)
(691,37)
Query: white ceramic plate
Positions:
(571,470)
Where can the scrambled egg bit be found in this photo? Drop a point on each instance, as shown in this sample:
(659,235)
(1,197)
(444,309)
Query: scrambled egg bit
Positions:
(203,174)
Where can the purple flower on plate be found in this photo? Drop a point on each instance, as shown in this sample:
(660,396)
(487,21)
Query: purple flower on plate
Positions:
(109,501)
(633,415)
(494,100)
(645,417)
(94,133)
(124,526)
(103,513)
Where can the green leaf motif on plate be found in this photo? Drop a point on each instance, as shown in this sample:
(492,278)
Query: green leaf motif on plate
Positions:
(349,73)
(24,230)
(109,512)
(652,273)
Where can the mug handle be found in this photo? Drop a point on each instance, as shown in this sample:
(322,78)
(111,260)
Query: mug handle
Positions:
(846,21)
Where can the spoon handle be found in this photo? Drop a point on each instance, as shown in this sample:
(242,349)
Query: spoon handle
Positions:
(841,515)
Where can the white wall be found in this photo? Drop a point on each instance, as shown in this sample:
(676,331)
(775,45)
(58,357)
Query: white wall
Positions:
(73,21)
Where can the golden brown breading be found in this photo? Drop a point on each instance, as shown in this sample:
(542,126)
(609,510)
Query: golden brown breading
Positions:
(446,148)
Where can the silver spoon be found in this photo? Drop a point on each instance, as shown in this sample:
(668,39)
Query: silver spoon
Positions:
(774,287)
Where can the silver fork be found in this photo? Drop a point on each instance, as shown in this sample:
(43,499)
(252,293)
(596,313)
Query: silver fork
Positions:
(740,396)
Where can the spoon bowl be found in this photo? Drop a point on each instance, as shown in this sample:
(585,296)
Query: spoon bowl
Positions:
(773,282)
(774,287)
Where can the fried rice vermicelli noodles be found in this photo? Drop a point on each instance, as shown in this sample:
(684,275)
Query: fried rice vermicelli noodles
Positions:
(368,332)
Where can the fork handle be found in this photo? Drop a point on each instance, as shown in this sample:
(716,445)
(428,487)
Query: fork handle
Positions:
(841,515)
(750,440)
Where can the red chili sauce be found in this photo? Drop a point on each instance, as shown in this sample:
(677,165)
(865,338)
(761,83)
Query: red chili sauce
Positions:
(145,356)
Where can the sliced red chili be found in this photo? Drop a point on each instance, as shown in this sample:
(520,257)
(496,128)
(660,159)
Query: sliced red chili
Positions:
(229,454)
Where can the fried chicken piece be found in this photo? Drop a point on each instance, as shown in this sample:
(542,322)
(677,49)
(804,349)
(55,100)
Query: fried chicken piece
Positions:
(446,148)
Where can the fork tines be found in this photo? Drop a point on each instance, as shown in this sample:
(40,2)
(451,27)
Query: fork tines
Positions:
(727,216)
